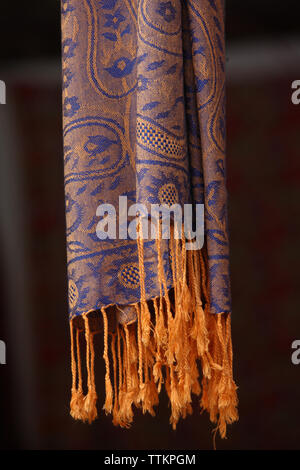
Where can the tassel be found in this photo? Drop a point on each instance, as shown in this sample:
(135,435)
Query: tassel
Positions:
(90,400)
(121,415)
(131,393)
(140,345)
(162,282)
(164,349)
(227,400)
(74,408)
(145,314)
(108,387)
(115,395)
(77,398)
(148,395)
(160,340)
(79,390)
(126,400)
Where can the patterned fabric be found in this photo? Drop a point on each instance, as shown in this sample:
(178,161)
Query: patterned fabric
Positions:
(143,106)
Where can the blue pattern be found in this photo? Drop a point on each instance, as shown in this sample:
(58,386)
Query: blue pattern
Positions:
(144,116)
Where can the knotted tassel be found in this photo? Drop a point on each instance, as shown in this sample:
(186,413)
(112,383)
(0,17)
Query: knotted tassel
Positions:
(227,399)
(108,386)
(116,395)
(145,313)
(74,402)
(90,400)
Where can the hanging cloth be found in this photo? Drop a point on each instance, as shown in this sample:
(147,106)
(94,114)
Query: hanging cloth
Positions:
(144,119)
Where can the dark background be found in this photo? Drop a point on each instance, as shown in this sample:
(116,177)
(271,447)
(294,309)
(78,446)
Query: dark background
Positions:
(263,125)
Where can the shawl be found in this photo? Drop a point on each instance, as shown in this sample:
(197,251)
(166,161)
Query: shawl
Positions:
(144,120)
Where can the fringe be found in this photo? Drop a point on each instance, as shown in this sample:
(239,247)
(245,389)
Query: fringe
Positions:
(108,405)
(171,336)
(90,400)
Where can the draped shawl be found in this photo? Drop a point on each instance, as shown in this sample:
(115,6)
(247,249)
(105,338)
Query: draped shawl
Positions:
(144,117)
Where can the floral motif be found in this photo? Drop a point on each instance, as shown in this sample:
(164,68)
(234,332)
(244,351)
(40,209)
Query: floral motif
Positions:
(68,48)
(69,202)
(114,20)
(164,190)
(67,78)
(71,106)
(121,67)
(96,145)
(108,4)
(66,7)
(167,11)
(142,84)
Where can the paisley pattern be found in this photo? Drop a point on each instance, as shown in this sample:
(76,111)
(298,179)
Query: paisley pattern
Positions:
(144,116)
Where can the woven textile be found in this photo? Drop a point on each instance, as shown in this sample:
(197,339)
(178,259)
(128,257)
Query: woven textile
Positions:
(143,107)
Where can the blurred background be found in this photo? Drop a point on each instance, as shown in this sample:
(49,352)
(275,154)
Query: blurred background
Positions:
(263,128)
